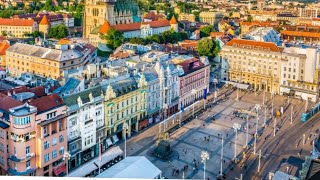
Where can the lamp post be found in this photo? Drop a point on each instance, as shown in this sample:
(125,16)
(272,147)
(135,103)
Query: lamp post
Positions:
(215,81)
(272,96)
(257,107)
(291,114)
(274,126)
(263,98)
(221,156)
(194,92)
(255,144)
(236,127)
(237,99)
(265,116)
(204,157)
(125,128)
(66,157)
(247,135)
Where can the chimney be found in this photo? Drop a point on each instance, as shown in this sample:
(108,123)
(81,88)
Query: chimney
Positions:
(9,94)
(14,92)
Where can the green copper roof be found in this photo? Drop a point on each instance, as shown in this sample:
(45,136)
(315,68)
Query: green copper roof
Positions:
(127,5)
(96,30)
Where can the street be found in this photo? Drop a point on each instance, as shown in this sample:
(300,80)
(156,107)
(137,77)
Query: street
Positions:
(204,134)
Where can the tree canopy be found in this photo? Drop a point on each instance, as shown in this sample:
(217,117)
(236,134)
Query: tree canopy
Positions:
(113,38)
(58,32)
(208,47)
(206,30)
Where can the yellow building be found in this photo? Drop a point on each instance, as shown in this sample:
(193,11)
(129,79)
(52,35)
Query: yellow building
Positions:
(187,17)
(210,17)
(252,62)
(44,25)
(43,61)
(125,102)
(17,27)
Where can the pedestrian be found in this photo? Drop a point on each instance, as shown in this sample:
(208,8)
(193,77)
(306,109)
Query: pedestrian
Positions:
(227,134)
(205,138)
(178,156)
(224,161)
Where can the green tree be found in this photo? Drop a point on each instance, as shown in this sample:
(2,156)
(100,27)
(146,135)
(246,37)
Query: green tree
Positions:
(206,30)
(208,47)
(58,32)
(249,19)
(4,33)
(136,40)
(48,6)
(113,38)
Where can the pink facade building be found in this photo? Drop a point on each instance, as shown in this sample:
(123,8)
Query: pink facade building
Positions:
(33,134)
(194,80)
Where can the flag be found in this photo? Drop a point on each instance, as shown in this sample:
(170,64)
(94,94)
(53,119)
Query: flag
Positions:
(205,93)
(182,109)
(100,151)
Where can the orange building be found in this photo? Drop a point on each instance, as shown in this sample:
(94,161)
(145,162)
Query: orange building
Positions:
(4,45)
(300,36)
(17,27)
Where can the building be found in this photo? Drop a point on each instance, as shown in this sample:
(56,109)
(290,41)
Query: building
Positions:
(86,125)
(263,15)
(264,34)
(193,80)
(4,45)
(251,62)
(247,26)
(300,73)
(142,29)
(47,62)
(308,12)
(288,18)
(213,18)
(153,16)
(53,19)
(305,36)
(315,22)
(18,28)
(187,17)
(33,134)
(125,103)
(44,25)
(97,12)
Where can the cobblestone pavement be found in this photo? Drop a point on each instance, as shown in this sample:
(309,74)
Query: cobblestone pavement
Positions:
(189,140)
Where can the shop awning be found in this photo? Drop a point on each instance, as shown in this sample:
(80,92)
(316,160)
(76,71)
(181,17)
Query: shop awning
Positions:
(111,154)
(238,85)
(143,123)
(60,169)
(109,142)
(115,138)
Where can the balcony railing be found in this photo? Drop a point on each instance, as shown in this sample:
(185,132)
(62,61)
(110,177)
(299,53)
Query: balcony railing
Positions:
(21,159)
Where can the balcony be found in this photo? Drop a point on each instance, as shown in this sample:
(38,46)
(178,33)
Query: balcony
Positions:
(21,159)
(21,173)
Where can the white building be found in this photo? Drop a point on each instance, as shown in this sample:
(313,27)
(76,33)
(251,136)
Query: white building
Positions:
(85,111)
(265,34)
(299,73)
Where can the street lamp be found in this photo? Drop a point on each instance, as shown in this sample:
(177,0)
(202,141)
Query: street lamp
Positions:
(265,115)
(194,92)
(221,156)
(125,128)
(236,127)
(215,81)
(291,114)
(237,99)
(204,157)
(247,136)
(274,126)
(257,107)
(66,157)
(272,96)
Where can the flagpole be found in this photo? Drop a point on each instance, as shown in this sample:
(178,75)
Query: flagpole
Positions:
(100,153)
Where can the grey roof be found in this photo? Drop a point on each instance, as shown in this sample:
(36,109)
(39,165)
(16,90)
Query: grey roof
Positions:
(72,100)
(150,75)
(45,53)
(123,86)
(70,86)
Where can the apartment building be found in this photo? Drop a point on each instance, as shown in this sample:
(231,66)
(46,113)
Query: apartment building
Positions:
(308,12)
(47,62)
(300,73)
(265,34)
(213,18)
(251,62)
(86,125)
(33,134)
(187,17)
(18,28)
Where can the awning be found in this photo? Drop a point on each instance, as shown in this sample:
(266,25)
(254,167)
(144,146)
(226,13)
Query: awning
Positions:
(143,123)
(115,138)
(90,166)
(286,90)
(58,170)
(9,79)
(238,85)
(109,142)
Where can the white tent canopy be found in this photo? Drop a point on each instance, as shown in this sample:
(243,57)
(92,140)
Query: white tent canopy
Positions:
(90,166)
(238,85)
(137,167)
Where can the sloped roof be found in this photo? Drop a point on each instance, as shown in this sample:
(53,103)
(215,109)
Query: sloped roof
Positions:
(4,45)
(16,22)
(72,99)
(300,33)
(250,44)
(7,102)
(47,102)
(105,27)
(44,20)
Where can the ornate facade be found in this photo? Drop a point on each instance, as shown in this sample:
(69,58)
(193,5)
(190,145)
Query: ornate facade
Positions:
(115,12)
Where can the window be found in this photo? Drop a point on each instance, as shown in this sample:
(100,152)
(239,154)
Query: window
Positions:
(54,154)
(1,147)
(1,134)
(51,115)
(27,150)
(46,157)
(21,120)
(61,138)
(61,151)
(44,131)
(54,141)
(46,145)
(28,164)
(60,125)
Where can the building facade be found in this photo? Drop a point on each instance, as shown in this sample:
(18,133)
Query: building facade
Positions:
(300,73)
(35,135)
(187,17)
(254,63)
(86,125)
(18,28)
(115,12)
(212,18)
(264,34)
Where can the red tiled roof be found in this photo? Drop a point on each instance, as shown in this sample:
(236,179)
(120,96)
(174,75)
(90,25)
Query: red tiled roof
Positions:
(38,91)
(159,23)
(191,65)
(153,16)
(300,33)
(3,47)
(47,102)
(7,102)
(136,26)
(250,44)
(16,22)
(120,55)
